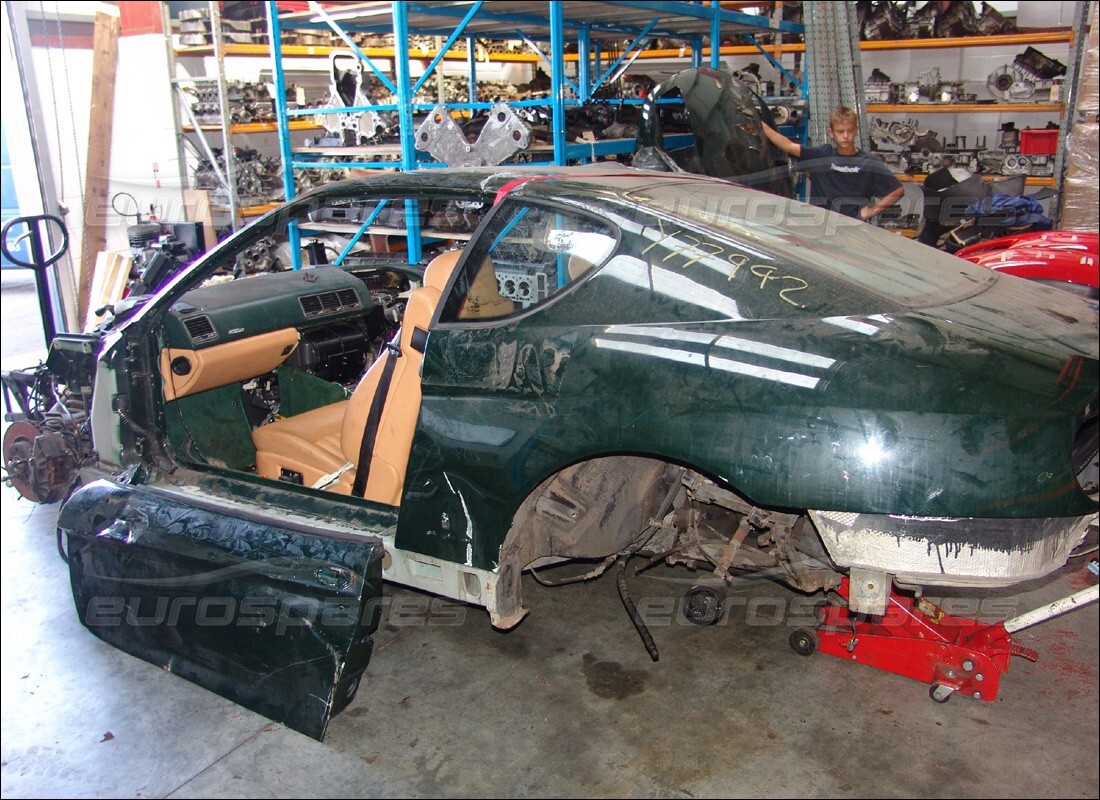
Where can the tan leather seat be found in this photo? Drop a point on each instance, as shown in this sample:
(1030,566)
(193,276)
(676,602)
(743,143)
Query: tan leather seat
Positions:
(484,300)
(577,267)
(322,441)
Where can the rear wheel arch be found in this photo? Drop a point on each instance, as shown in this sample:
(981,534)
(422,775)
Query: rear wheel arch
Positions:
(601,506)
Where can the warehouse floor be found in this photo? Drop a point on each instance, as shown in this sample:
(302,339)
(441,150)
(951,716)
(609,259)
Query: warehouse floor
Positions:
(568,704)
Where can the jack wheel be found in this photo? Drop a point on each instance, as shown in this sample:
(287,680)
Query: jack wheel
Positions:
(703,603)
(940,694)
(803,641)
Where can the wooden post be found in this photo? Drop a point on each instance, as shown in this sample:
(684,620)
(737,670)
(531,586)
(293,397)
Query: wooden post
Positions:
(98,173)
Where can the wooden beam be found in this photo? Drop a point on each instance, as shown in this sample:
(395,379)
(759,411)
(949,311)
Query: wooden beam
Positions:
(97,175)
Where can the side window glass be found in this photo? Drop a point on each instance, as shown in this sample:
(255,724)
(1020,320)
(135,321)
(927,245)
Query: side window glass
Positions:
(525,256)
(356,232)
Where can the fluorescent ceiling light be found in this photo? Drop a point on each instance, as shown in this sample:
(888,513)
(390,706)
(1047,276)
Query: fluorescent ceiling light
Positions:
(355,12)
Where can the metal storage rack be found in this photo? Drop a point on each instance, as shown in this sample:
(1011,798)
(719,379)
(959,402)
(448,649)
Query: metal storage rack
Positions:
(1057,109)
(189,68)
(588,26)
(1074,39)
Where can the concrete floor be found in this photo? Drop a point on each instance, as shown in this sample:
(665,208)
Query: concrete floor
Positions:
(566,705)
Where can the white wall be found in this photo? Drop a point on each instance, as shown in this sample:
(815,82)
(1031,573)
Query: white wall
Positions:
(142,132)
(64,104)
(144,152)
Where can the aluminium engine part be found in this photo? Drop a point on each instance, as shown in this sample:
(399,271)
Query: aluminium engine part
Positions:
(259,257)
(250,182)
(928,85)
(258,178)
(786,110)
(884,21)
(897,162)
(196,29)
(992,161)
(750,76)
(375,39)
(921,24)
(1012,84)
(1028,76)
(1016,164)
(992,22)
(957,19)
(142,234)
(348,84)
(926,143)
(159,249)
(524,284)
(455,215)
(897,134)
(306,179)
(502,136)
(880,88)
(1035,166)
(952,92)
(931,86)
(962,158)
(1040,65)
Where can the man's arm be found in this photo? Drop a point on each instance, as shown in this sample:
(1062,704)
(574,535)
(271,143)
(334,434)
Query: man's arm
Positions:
(782,142)
(870,212)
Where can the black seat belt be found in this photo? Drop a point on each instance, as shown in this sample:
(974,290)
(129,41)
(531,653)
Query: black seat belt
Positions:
(374,419)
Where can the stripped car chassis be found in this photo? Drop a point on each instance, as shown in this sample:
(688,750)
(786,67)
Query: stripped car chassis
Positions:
(913,637)
(773,543)
(690,528)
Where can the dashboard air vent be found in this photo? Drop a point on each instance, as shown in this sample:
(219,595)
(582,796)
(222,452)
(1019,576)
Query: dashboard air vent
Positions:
(315,305)
(200,329)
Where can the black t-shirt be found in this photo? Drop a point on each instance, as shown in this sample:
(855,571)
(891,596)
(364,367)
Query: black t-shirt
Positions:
(845,183)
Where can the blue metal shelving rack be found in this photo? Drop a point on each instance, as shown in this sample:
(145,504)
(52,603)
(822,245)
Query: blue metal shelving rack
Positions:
(588,25)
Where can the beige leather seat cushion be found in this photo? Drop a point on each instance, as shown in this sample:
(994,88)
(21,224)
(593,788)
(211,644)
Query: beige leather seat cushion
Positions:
(306,443)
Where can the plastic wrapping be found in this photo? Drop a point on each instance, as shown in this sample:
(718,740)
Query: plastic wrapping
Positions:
(1088,82)
(1080,211)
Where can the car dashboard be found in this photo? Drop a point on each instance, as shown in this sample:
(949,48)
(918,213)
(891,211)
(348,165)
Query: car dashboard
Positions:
(322,320)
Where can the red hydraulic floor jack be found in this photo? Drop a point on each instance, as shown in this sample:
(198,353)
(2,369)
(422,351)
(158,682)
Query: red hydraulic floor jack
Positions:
(919,640)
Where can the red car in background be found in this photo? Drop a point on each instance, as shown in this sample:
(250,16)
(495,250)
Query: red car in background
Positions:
(1068,259)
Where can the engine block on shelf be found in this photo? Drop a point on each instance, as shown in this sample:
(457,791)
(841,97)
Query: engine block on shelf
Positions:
(905,148)
(247,101)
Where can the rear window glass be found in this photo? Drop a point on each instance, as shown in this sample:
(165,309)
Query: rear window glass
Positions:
(881,263)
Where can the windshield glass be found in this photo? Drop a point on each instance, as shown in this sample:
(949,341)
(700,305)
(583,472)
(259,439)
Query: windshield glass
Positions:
(882,263)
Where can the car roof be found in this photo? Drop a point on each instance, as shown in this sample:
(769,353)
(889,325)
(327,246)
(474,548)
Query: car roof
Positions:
(492,180)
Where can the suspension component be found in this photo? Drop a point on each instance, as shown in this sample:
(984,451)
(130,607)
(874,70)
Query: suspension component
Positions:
(40,463)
